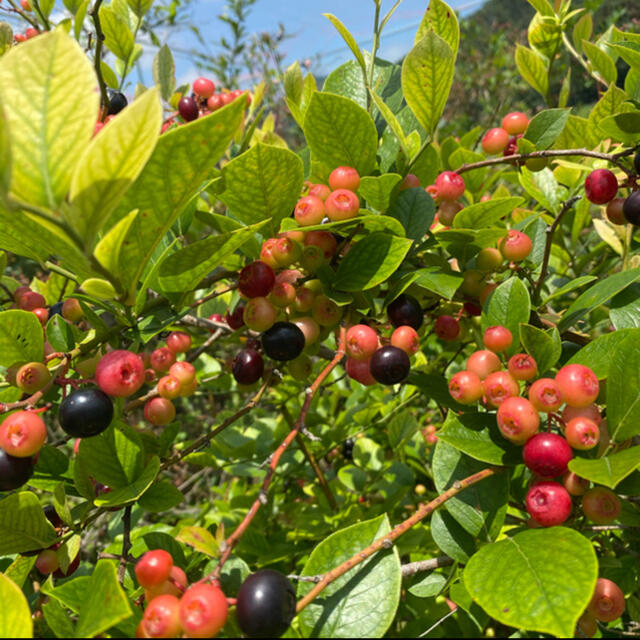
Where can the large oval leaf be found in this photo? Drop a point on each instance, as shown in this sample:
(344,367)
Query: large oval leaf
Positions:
(362,603)
(15,615)
(23,526)
(610,470)
(20,337)
(623,390)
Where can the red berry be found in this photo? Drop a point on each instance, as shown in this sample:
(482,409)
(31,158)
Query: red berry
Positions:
(410,181)
(515,122)
(497,339)
(17,294)
(283,294)
(162,358)
(215,102)
(31,300)
(162,617)
(188,109)
(578,384)
(342,204)
(607,603)
(517,419)
(204,87)
(120,373)
(465,387)
(71,310)
(344,178)
(319,191)
(42,314)
(203,611)
(169,387)
(183,371)
(235,320)
(323,239)
(548,503)
(545,395)
(360,371)
(153,568)
(22,434)
(447,211)
(407,339)
(547,455)
(309,211)
(495,140)
(601,186)
(574,484)
(522,366)
(361,342)
(450,185)
(256,279)
(178,342)
(47,562)
(615,211)
(498,387)
(447,328)
(601,505)
(582,433)
(515,246)
(159,411)
(483,362)
(175,585)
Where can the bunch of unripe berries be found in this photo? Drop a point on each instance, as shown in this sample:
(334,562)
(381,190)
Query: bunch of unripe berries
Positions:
(48,560)
(607,604)
(28,300)
(205,100)
(546,454)
(265,604)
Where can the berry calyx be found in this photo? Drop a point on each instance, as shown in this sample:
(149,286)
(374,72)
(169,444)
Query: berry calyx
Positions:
(203,611)
(450,185)
(517,419)
(548,503)
(601,505)
(390,365)
(582,434)
(309,211)
(498,387)
(247,366)
(522,366)
(120,373)
(85,413)
(578,384)
(405,310)
(607,603)
(601,186)
(547,455)
(283,341)
(545,395)
(22,434)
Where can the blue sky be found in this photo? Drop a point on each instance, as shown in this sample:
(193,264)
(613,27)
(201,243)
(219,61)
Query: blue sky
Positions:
(313,34)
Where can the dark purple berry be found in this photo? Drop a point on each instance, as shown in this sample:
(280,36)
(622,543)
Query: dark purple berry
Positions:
(405,310)
(85,413)
(631,208)
(188,109)
(52,516)
(55,309)
(235,320)
(247,366)
(389,365)
(256,279)
(117,102)
(284,341)
(14,472)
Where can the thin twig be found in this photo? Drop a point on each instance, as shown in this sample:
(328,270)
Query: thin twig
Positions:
(191,357)
(324,485)
(126,543)
(426,565)
(45,22)
(95,16)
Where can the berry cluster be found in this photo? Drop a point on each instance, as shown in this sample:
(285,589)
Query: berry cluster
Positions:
(504,139)
(546,454)
(48,560)
(601,187)
(265,604)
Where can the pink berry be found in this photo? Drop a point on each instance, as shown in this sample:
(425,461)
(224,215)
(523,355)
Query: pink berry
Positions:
(450,185)
(574,484)
(582,433)
(120,373)
(495,140)
(260,314)
(547,455)
(169,387)
(601,186)
(498,387)
(309,211)
(578,384)
(162,358)
(517,419)
(204,87)
(607,603)
(407,339)
(515,246)
(590,412)
(203,610)
(497,339)
(522,366)
(344,178)
(360,371)
(548,503)
(447,328)
(323,239)
(342,204)
(410,181)
(515,123)
(545,395)
(321,191)
(362,342)
(178,342)
(162,617)
(483,362)
(601,505)
(159,411)
(465,387)
(22,434)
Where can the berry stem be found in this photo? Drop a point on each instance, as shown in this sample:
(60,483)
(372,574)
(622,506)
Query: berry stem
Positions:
(387,540)
(45,22)
(232,540)
(98,55)
(126,543)
(22,14)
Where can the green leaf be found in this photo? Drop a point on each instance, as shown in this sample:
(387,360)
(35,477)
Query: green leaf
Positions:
(117,35)
(18,571)
(485,214)
(477,435)
(200,539)
(293,83)
(161,496)
(625,308)
(544,36)
(402,427)
(370,261)
(463,244)
(57,618)
(542,7)
(570,286)
(481,508)
(545,347)
(610,470)
(348,38)
(546,127)
(541,186)
(415,209)
(21,337)
(181,161)
(601,63)
(441,19)
(450,537)
(38,80)
(6,37)
(182,270)
(582,30)
(140,7)
(368,454)
(439,280)
(115,457)
(624,127)
(391,120)
(15,615)
(71,594)
(340,133)
(5,154)
(108,249)
(508,305)
(597,354)
(376,190)
(427,74)
(23,526)
(105,603)
(629,52)
(99,288)
(111,163)
(264,182)
(623,389)
(597,295)
(429,586)
(474,178)
(533,69)
(132,491)
(164,72)
(539,580)
(608,105)
(361,603)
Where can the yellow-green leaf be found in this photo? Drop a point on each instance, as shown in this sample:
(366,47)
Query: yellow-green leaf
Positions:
(533,69)
(200,539)
(15,615)
(117,35)
(48,89)
(107,250)
(348,38)
(602,63)
(440,18)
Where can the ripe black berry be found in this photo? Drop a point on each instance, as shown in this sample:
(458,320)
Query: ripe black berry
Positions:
(347,448)
(266,604)
(405,310)
(631,208)
(247,366)
(283,342)
(52,516)
(188,108)
(14,472)
(55,309)
(389,365)
(85,413)
(117,102)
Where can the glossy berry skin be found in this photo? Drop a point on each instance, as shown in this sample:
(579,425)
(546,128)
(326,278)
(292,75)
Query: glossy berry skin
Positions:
(615,211)
(407,339)
(309,327)
(360,371)
(495,141)
(342,204)
(582,434)
(259,314)
(631,209)
(22,434)
(188,109)
(389,365)
(321,191)
(85,413)
(178,342)
(30,300)
(361,342)
(450,185)
(235,320)
(405,310)
(162,359)
(515,246)
(497,339)
(601,186)
(283,294)
(204,87)
(117,102)
(548,503)
(522,366)
(590,412)
(309,210)
(159,411)
(247,366)
(203,611)
(545,395)
(498,387)
(175,585)
(325,311)
(465,387)
(547,455)
(14,472)
(579,385)
(32,377)
(284,341)
(183,371)
(120,373)
(162,617)
(517,419)
(574,484)
(515,122)
(153,568)
(266,604)
(483,362)
(47,562)
(344,178)
(601,505)
(447,328)
(169,387)
(607,603)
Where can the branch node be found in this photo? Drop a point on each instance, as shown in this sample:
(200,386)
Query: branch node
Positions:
(387,544)
(262,497)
